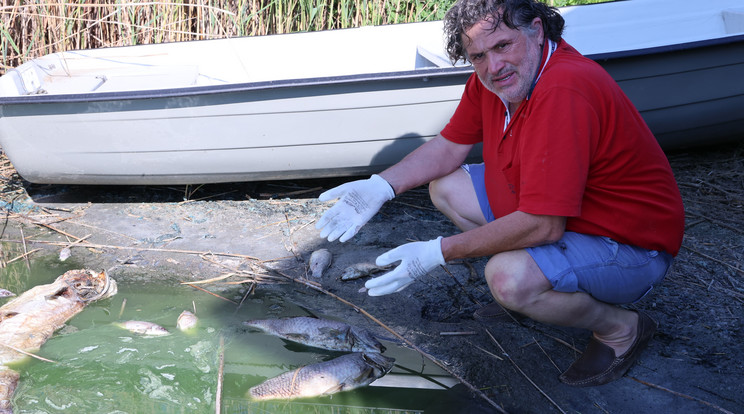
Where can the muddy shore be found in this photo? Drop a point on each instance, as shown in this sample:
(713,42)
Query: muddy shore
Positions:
(264,233)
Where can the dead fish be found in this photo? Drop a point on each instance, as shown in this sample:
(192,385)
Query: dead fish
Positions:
(320,260)
(29,320)
(320,333)
(6,293)
(360,270)
(64,254)
(186,320)
(340,374)
(144,328)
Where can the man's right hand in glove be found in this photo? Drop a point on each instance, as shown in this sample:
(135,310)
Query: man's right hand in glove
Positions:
(358,202)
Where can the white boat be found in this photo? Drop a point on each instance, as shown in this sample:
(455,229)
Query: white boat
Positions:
(339,102)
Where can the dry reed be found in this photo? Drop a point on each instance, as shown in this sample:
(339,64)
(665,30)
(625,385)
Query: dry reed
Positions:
(32,29)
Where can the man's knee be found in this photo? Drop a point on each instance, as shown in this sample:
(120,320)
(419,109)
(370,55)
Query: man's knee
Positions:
(514,279)
(439,192)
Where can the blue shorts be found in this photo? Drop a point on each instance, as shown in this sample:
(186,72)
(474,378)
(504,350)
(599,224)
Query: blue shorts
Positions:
(607,270)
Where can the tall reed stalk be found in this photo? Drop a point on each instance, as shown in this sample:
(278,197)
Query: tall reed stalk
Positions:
(32,28)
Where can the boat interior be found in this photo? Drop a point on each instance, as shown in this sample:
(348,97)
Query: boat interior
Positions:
(347,52)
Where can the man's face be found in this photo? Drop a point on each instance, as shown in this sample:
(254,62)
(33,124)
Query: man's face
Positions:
(506,60)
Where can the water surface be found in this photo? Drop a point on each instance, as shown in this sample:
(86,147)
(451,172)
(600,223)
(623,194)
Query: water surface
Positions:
(102,368)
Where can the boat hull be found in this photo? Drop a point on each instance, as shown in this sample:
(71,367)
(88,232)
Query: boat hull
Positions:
(154,114)
(316,129)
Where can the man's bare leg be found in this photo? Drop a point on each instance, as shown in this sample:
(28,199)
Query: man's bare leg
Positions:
(455,197)
(518,284)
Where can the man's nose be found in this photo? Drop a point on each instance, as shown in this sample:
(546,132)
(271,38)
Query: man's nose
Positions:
(494,62)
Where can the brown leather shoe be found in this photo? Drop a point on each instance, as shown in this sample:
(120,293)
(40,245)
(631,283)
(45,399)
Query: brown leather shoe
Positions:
(598,364)
(494,312)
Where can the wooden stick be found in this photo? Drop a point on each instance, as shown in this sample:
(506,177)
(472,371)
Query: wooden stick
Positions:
(123,304)
(80,240)
(214,294)
(27,353)
(679,394)
(23,256)
(546,354)
(503,351)
(247,292)
(488,352)
(214,279)
(220,375)
(25,251)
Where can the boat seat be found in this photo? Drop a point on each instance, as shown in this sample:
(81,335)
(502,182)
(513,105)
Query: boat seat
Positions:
(425,58)
(733,21)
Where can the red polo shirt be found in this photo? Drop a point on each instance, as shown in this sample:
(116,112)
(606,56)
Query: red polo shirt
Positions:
(577,147)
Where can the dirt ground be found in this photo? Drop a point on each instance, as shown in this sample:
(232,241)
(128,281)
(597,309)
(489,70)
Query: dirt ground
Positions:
(264,233)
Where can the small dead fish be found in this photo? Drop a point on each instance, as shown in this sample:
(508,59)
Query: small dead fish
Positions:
(186,320)
(340,374)
(6,293)
(144,328)
(320,260)
(320,333)
(360,270)
(64,254)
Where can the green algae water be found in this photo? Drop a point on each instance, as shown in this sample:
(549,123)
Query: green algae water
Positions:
(102,368)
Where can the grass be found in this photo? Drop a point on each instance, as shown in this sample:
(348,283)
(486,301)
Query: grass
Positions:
(34,28)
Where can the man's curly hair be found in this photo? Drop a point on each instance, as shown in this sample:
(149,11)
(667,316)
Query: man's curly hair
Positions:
(515,14)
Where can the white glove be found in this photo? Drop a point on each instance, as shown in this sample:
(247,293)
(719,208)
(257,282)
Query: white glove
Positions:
(359,201)
(416,259)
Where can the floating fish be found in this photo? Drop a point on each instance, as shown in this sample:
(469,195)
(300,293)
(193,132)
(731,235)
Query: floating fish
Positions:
(186,320)
(320,333)
(28,321)
(4,293)
(340,374)
(320,260)
(144,328)
(360,270)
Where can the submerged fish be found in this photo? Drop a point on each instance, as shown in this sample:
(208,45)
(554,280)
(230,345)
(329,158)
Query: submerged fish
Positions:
(320,333)
(360,270)
(186,320)
(340,374)
(320,260)
(4,293)
(144,328)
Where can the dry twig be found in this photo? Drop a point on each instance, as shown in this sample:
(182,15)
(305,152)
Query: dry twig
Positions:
(679,394)
(503,351)
(27,353)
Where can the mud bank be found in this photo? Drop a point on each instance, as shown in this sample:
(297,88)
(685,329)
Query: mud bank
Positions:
(263,234)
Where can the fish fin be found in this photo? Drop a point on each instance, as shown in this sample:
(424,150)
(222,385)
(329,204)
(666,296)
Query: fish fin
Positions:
(335,389)
(297,337)
(364,375)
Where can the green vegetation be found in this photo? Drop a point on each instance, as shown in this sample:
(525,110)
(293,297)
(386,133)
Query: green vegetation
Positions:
(31,29)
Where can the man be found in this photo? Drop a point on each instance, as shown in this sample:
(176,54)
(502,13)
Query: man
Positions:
(575,203)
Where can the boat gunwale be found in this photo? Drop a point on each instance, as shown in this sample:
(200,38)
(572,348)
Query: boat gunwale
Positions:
(422,74)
